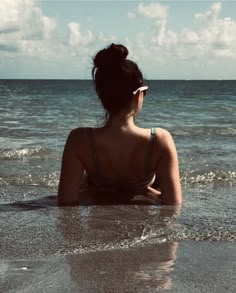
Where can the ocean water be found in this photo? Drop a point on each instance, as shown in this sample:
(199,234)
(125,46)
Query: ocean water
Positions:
(35,119)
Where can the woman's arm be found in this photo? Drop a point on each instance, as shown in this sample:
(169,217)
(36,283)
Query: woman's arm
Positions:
(168,171)
(71,172)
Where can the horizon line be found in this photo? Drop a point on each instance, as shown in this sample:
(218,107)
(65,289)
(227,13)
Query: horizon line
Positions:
(152,79)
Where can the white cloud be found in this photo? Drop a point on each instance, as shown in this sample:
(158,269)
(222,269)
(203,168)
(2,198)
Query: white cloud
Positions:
(24,27)
(159,32)
(152,10)
(215,36)
(26,31)
(76,38)
(131,15)
(212,38)
(189,37)
(102,38)
(210,16)
(25,18)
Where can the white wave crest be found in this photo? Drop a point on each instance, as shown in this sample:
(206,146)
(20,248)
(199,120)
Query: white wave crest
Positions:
(23,152)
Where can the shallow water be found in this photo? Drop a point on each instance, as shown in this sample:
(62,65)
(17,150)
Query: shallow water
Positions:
(36,117)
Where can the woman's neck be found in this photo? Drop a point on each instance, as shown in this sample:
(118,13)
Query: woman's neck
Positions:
(121,121)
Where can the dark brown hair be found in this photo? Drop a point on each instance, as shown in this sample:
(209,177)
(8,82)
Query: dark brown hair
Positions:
(115,78)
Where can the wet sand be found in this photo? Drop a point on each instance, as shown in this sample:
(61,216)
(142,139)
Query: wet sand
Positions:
(187,266)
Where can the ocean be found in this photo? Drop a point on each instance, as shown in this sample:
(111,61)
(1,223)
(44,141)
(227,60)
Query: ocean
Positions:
(35,119)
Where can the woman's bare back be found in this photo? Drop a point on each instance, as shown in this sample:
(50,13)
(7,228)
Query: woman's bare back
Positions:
(122,156)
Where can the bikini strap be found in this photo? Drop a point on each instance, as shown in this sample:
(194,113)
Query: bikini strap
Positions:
(150,151)
(93,150)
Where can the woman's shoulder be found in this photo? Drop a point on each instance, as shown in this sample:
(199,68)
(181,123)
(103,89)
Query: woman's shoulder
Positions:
(164,138)
(77,136)
(78,133)
(163,133)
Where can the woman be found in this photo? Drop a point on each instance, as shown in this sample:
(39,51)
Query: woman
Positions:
(121,159)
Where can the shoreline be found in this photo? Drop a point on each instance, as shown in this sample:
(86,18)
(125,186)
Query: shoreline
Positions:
(185,266)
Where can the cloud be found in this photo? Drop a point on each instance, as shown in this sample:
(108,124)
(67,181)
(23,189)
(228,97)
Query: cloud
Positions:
(131,15)
(26,18)
(159,32)
(103,39)
(25,31)
(76,38)
(157,12)
(152,10)
(210,16)
(213,37)
(24,27)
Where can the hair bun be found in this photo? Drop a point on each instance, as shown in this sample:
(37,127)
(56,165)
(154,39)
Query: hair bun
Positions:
(111,56)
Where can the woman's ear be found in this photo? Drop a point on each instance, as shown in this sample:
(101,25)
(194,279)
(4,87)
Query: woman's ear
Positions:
(138,101)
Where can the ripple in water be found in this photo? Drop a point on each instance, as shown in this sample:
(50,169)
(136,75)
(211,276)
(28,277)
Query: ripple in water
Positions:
(24,152)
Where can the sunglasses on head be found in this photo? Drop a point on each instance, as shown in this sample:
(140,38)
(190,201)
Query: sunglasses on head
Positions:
(141,89)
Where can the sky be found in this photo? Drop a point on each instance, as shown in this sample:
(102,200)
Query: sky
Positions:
(168,39)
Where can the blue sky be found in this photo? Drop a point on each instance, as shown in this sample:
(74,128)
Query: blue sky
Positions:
(168,39)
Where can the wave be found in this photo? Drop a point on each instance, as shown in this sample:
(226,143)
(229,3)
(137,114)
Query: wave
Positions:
(23,153)
(50,180)
(188,130)
(192,176)
(174,232)
(187,178)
